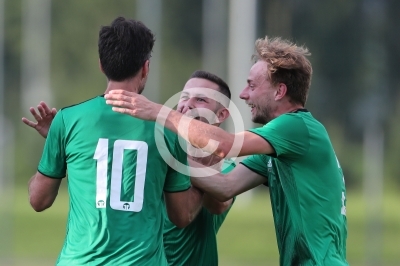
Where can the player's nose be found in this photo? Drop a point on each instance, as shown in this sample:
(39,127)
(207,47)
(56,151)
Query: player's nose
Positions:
(190,103)
(244,94)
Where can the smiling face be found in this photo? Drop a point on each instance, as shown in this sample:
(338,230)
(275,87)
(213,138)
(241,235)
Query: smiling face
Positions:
(198,100)
(259,94)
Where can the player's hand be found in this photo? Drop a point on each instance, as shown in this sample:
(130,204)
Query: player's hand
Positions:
(43,119)
(133,104)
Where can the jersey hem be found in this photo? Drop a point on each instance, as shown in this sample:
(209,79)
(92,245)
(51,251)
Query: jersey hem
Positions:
(177,191)
(52,177)
(272,154)
(258,172)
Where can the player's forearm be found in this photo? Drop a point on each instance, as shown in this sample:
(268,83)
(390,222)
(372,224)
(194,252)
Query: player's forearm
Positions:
(201,135)
(194,204)
(216,186)
(211,181)
(214,206)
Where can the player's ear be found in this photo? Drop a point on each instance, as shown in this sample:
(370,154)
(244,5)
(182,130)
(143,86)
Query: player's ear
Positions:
(101,67)
(145,69)
(280,91)
(222,114)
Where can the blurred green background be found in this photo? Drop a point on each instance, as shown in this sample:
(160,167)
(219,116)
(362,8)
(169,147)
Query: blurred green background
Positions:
(48,51)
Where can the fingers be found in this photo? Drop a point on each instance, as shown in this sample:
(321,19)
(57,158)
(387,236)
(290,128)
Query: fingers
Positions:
(118,97)
(123,92)
(53,112)
(45,107)
(179,109)
(28,122)
(184,109)
(119,103)
(35,115)
(121,110)
(42,111)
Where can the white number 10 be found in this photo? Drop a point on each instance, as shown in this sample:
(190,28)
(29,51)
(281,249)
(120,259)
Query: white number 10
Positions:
(101,155)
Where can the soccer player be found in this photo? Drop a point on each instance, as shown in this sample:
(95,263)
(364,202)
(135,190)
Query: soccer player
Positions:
(116,173)
(292,152)
(196,244)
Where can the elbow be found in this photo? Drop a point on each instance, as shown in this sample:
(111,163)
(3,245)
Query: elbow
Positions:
(222,150)
(226,147)
(184,219)
(40,206)
(221,208)
(225,196)
(181,222)
(181,225)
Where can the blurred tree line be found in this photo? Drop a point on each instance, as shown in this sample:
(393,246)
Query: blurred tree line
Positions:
(355,50)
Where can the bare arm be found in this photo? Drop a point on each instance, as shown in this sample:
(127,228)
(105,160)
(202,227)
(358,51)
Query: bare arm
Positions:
(224,187)
(207,137)
(43,191)
(183,207)
(205,159)
(214,206)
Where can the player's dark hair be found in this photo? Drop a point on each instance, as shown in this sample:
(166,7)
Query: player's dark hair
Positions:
(222,86)
(124,47)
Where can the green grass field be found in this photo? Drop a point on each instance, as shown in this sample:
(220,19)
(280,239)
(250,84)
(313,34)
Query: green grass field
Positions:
(246,238)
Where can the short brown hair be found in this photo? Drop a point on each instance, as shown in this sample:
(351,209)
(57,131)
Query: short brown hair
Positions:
(287,63)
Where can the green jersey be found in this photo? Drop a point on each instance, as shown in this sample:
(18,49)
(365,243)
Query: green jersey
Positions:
(307,190)
(196,244)
(116,178)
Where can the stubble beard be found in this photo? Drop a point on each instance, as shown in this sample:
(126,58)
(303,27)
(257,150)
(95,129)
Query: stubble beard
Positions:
(263,116)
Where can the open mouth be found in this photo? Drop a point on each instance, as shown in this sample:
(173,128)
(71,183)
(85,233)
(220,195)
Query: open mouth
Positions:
(252,106)
(194,117)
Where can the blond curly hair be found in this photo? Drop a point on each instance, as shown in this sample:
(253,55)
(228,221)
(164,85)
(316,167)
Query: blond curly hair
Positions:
(287,63)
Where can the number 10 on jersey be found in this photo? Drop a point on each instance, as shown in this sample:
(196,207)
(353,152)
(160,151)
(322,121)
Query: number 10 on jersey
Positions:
(101,155)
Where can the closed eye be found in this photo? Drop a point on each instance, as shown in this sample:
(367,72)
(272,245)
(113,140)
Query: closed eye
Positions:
(200,99)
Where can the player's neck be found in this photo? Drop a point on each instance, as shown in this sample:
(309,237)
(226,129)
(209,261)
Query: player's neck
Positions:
(288,108)
(132,85)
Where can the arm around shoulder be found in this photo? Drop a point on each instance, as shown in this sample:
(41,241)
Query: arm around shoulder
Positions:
(224,187)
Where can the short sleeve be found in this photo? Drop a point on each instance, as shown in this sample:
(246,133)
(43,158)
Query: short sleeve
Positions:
(258,164)
(287,134)
(53,162)
(178,176)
